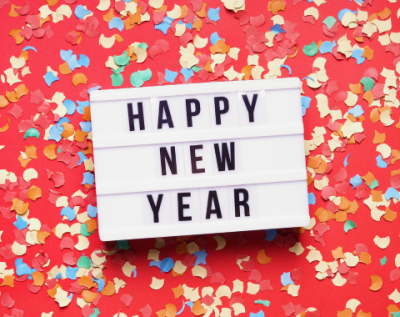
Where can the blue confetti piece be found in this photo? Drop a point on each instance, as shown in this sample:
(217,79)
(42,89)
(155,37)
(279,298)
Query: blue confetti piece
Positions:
(88,178)
(58,276)
(357,55)
(92,211)
(80,11)
(355,181)
(116,23)
(20,223)
(65,55)
(392,193)
(214,38)
(303,111)
(81,105)
(155,263)
(213,14)
(73,62)
(380,162)
(163,27)
(70,296)
(167,264)
(49,78)
(187,73)
(84,60)
(190,304)
(55,133)
(200,257)
(170,76)
(60,122)
(168,20)
(86,126)
(259,314)
(70,273)
(277,29)
(270,234)
(134,273)
(100,282)
(29,48)
(68,212)
(285,279)
(343,12)
(305,101)
(182,309)
(22,268)
(94,88)
(327,47)
(345,160)
(189,26)
(356,111)
(310,1)
(82,157)
(288,68)
(311,199)
(70,105)
(309,78)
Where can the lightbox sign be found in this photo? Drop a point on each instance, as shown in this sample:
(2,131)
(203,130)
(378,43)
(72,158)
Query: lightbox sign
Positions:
(199,158)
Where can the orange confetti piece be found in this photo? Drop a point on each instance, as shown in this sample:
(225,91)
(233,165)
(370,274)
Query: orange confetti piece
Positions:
(178,291)
(52,3)
(136,18)
(88,150)
(202,13)
(80,135)
(262,258)
(6,126)
(374,115)
(341,216)
(109,289)
(198,309)
(398,125)
(276,5)
(170,310)
(321,168)
(42,236)
(181,248)
(174,274)
(355,88)
(357,38)
(43,21)
(197,24)
(385,13)
(4,102)
(363,314)
(338,253)
(64,69)
(220,47)
(368,178)
(38,278)
(30,151)
(50,151)
(92,225)
(365,258)
(79,78)
(89,296)
(353,208)
(8,281)
(68,130)
(377,282)
(34,193)
(293,55)
(184,11)
(396,156)
(19,206)
(21,90)
(25,55)
(24,162)
(109,16)
(86,281)
(368,53)
(309,179)
(392,309)
(119,39)
(322,214)
(161,313)
(379,138)
(369,97)
(12,12)
(344,204)
(247,71)
(11,96)
(390,215)
(345,313)
(52,292)
(314,162)
(376,195)
(86,114)
(15,33)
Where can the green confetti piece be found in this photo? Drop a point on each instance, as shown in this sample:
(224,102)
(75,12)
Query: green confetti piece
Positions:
(383,260)
(196,69)
(122,59)
(32,133)
(396,314)
(263,302)
(117,80)
(123,245)
(136,80)
(59,150)
(145,75)
(119,70)
(329,21)
(368,83)
(84,261)
(350,224)
(84,230)
(96,312)
(144,46)
(374,184)
(310,50)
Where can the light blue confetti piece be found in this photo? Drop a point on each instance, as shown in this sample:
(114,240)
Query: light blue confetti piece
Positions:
(311,199)
(55,134)
(308,78)
(277,29)
(259,314)
(123,245)
(182,309)
(71,272)
(81,105)
(22,268)
(65,55)
(134,273)
(92,211)
(285,279)
(20,223)
(82,157)
(49,78)
(326,47)
(80,11)
(60,122)
(343,12)
(68,212)
(345,163)
(100,282)
(270,234)
(200,257)
(29,48)
(303,111)
(305,101)
(70,296)
(155,263)
(380,162)
(392,193)
(166,265)
(70,105)
(288,68)
(86,126)
(88,178)
(187,73)
(73,62)
(356,111)
(190,304)
(214,38)
(116,23)
(189,26)
(213,14)
(94,88)
(84,60)
(310,1)
(355,181)
(170,76)
(357,55)
(58,276)
(163,27)
(168,20)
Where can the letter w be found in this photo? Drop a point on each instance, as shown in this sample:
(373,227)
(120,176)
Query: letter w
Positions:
(224,158)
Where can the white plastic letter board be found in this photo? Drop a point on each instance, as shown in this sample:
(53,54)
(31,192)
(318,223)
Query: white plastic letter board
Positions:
(199,158)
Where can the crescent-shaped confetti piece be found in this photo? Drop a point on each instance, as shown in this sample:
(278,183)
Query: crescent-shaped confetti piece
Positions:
(79,78)
(376,283)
